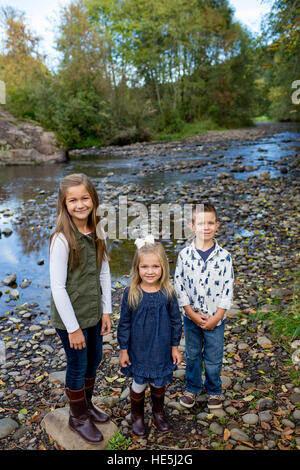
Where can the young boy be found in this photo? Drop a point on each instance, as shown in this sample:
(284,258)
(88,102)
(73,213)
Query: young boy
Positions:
(204,286)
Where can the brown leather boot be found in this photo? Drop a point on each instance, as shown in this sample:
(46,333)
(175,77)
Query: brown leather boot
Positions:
(96,415)
(80,419)
(137,413)
(159,417)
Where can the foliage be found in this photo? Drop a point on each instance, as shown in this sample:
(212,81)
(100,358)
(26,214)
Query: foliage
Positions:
(280,59)
(145,68)
(118,442)
(284,324)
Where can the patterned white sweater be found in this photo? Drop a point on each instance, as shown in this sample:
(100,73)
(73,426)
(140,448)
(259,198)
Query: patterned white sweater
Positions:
(204,285)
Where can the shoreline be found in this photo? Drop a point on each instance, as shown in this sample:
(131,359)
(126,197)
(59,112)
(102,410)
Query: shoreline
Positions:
(259,131)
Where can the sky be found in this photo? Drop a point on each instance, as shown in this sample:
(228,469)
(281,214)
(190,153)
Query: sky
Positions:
(40,12)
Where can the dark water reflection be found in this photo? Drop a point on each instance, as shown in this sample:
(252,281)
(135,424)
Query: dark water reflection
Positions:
(27,190)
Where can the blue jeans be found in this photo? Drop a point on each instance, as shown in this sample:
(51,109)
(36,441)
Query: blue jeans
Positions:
(84,362)
(203,345)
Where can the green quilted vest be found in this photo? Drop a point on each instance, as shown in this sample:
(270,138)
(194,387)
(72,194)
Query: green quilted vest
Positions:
(83,287)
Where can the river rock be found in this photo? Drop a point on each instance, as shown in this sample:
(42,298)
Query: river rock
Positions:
(265,416)
(49,332)
(125,394)
(226,381)
(265,403)
(107,338)
(35,328)
(180,373)
(56,425)
(7,426)
(19,392)
(7,231)
(57,377)
(250,418)
(238,435)
(294,398)
(296,415)
(48,348)
(11,279)
(264,340)
(296,357)
(280,292)
(216,428)
(108,402)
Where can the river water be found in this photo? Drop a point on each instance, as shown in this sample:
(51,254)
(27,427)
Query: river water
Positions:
(28,196)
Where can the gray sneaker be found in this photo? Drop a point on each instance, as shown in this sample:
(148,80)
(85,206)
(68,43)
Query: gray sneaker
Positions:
(188,399)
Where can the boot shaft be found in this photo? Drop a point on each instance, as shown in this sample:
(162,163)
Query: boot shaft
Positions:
(78,403)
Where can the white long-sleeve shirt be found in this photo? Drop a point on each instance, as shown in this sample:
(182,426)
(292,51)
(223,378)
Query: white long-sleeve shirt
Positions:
(207,285)
(59,256)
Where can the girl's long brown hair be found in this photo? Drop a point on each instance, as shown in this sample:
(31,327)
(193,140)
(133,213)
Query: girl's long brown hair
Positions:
(135,292)
(65,225)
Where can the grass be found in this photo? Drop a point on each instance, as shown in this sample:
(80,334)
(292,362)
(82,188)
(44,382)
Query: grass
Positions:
(188,130)
(284,323)
(263,119)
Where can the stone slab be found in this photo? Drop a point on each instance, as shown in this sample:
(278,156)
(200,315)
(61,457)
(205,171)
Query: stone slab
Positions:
(56,426)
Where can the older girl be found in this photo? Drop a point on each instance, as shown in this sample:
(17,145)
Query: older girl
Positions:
(149,333)
(81,298)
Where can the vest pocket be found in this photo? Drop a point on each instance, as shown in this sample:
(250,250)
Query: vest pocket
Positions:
(73,297)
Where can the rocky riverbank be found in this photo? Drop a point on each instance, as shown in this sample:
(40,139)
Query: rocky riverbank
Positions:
(260,372)
(260,391)
(154,148)
(24,142)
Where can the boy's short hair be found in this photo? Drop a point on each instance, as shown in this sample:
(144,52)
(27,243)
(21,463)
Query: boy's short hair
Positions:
(203,207)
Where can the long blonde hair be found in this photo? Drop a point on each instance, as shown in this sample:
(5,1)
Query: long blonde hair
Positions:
(65,225)
(135,292)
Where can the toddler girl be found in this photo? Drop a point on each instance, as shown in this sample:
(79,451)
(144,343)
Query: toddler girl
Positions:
(149,333)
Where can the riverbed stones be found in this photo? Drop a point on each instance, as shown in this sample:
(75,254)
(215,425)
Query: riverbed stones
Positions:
(56,425)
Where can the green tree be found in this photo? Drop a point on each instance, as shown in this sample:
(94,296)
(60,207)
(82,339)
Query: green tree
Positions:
(21,64)
(281,65)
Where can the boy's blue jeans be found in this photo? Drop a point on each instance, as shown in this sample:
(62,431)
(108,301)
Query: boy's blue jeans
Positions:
(82,363)
(203,345)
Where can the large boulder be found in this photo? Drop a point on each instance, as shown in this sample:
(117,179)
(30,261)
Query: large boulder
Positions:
(56,426)
(25,142)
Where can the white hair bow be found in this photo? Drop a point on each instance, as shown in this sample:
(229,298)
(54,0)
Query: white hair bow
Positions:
(142,241)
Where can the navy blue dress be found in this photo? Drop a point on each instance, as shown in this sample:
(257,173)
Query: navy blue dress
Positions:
(148,333)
